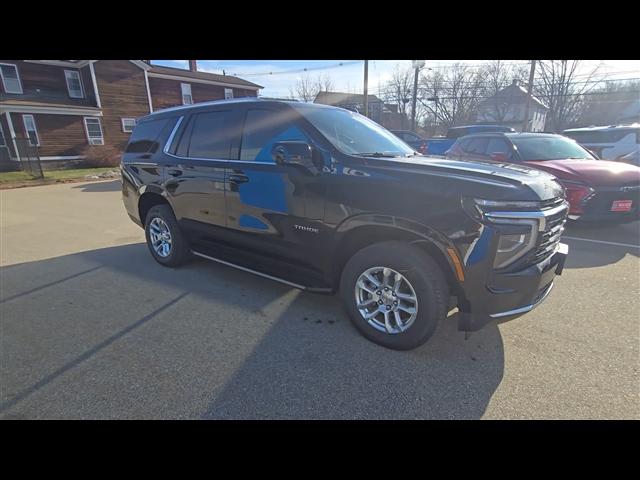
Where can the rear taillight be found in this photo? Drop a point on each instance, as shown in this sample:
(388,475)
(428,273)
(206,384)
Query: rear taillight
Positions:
(577,196)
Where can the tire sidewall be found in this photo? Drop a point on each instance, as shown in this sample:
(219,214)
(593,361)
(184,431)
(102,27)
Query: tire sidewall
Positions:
(425,278)
(165,213)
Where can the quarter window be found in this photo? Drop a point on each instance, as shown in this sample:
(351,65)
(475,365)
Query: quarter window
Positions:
(10,78)
(94,131)
(128,124)
(74,84)
(30,130)
(187,99)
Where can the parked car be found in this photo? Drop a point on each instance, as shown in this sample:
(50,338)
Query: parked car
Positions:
(609,142)
(439,145)
(326,200)
(412,139)
(597,190)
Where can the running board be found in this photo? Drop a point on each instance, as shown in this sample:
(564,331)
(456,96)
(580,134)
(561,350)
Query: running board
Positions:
(264,275)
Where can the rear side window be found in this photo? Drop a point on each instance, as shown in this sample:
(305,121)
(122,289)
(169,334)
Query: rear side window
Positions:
(212,135)
(146,135)
(477,146)
(497,145)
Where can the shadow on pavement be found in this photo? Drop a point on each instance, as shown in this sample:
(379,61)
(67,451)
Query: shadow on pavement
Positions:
(586,251)
(101,186)
(307,361)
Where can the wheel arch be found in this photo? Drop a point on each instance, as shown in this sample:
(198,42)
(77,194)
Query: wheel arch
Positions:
(149,197)
(364,230)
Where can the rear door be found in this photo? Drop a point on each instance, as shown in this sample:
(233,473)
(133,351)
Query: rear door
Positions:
(196,172)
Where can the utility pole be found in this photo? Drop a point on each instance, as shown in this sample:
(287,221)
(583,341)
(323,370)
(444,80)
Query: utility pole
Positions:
(417,64)
(525,122)
(366,88)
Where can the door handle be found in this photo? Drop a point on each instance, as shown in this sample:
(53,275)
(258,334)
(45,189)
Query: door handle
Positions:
(238,178)
(174,173)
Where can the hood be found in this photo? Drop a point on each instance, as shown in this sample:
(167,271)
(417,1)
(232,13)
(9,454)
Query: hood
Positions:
(597,173)
(507,175)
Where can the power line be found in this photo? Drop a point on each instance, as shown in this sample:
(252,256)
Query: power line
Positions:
(297,70)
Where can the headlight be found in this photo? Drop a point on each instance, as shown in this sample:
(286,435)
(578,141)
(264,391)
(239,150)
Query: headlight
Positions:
(517,237)
(514,221)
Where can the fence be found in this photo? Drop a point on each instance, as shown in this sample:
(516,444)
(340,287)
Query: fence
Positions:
(29,158)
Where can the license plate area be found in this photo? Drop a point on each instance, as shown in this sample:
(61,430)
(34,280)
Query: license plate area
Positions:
(621,205)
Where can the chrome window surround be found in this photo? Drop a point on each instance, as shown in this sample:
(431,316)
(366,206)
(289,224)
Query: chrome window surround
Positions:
(167,146)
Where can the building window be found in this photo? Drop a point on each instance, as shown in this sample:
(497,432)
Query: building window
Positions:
(74,84)
(128,124)
(94,131)
(187,99)
(228,93)
(30,130)
(10,78)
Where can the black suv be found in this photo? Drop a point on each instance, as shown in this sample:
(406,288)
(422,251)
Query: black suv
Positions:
(326,200)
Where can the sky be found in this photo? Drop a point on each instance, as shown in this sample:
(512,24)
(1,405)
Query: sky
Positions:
(279,76)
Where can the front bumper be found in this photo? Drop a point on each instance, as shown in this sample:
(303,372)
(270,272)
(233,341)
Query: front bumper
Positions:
(598,208)
(510,295)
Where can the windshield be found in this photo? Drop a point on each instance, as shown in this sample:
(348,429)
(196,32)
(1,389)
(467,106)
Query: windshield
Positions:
(353,133)
(549,148)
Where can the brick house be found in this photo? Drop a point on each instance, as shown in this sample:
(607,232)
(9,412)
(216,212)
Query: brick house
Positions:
(64,105)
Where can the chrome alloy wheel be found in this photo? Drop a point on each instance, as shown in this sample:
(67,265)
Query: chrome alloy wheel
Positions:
(160,237)
(386,300)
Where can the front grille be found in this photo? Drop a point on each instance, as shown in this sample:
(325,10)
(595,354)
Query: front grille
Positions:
(549,237)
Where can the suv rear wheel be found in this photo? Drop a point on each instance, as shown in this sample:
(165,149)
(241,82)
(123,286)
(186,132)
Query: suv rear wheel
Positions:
(395,294)
(166,242)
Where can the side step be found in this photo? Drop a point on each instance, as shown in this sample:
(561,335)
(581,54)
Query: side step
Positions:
(260,274)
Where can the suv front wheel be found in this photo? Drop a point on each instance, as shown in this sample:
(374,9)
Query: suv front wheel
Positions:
(395,294)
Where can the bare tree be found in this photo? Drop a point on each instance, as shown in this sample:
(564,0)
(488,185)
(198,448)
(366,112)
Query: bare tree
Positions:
(558,87)
(307,88)
(496,76)
(604,105)
(399,90)
(458,91)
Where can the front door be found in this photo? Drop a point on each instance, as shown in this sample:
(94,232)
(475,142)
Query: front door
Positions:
(274,210)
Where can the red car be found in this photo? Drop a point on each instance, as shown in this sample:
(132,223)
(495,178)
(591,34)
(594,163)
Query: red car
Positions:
(597,190)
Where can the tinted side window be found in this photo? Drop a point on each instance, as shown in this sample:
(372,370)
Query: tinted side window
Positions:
(212,135)
(146,135)
(262,129)
(477,146)
(410,137)
(498,145)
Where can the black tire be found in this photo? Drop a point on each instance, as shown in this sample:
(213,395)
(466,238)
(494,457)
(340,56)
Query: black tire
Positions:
(180,251)
(425,277)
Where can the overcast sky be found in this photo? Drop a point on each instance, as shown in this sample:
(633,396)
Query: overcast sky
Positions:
(278,76)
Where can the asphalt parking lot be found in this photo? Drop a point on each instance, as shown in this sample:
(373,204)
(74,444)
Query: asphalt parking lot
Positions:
(93,328)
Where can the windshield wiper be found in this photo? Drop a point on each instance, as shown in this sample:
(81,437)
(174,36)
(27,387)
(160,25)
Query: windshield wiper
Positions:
(377,154)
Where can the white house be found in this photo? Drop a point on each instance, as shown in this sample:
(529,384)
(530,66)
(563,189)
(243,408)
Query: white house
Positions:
(507,108)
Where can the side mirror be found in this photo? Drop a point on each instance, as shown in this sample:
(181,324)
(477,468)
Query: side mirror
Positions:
(296,153)
(499,157)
